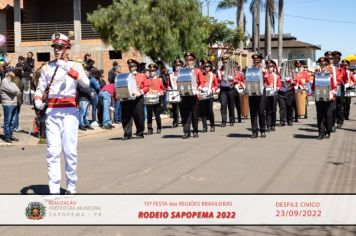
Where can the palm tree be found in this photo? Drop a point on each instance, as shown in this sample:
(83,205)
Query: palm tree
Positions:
(255,9)
(239,4)
(280,31)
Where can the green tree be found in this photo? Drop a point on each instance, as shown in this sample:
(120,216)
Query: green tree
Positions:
(157,28)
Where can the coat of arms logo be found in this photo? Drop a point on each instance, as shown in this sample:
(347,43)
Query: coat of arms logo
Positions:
(35,211)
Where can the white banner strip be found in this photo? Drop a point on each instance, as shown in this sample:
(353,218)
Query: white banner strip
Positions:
(178,210)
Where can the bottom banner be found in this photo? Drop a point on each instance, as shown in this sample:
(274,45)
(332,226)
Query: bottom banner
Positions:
(178,209)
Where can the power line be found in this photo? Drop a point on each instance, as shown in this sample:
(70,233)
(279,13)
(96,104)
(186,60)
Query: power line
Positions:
(322,20)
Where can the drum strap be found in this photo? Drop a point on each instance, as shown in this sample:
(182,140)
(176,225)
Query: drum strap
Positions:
(274,81)
(210,81)
(334,75)
(173,79)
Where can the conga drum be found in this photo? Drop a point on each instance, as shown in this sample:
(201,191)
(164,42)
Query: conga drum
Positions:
(245,109)
(300,99)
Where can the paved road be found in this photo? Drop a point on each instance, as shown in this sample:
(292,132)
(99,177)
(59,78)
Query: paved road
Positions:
(289,160)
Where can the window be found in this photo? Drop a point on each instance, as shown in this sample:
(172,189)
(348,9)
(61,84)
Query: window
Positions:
(43,56)
(115,55)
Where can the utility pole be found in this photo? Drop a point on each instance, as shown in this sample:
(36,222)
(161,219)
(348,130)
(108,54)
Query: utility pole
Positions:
(208,6)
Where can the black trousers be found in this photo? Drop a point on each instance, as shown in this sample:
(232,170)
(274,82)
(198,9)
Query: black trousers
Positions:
(175,113)
(340,116)
(206,111)
(324,113)
(291,106)
(133,111)
(227,100)
(237,105)
(282,104)
(257,110)
(347,105)
(189,112)
(271,110)
(154,109)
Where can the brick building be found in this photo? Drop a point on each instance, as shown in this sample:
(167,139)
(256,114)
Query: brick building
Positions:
(28,26)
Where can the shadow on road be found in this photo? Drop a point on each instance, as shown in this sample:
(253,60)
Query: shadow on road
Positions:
(305,136)
(352,130)
(172,136)
(38,189)
(312,125)
(235,135)
(308,130)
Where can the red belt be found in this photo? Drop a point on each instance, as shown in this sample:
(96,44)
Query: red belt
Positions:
(61,102)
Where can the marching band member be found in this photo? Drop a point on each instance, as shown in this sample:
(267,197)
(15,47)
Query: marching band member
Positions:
(340,78)
(272,81)
(172,85)
(206,105)
(58,82)
(351,81)
(133,110)
(189,104)
(240,84)
(227,94)
(324,109)
(302,80)
(155,85)
(257,104)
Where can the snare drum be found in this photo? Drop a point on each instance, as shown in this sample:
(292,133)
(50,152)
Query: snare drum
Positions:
(350,92)
(270,92)
(151,99)
(173,96)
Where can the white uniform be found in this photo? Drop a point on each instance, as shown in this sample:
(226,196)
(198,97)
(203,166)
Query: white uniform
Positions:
(62,120)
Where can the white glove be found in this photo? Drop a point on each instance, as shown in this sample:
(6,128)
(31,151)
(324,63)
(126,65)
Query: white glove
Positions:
(229,77)
(62,64)
(39,104)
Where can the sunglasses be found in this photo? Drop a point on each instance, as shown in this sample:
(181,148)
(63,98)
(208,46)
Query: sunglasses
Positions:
(132,66)
(152,70)
(190,59)
(206,66)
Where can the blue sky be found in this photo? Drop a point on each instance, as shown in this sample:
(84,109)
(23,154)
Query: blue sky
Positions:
(330,35)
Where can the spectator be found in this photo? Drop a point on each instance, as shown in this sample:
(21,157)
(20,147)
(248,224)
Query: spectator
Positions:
(85,96)
(108,96)
(26,71)
(101,80)
(89,65)
(8,93)
(30,61)
(20,85)
(94,84)
(116,69)
(40,120)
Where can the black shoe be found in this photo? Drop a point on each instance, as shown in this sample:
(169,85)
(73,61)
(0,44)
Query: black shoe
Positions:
(346,118)
(333,129)
(150,131)
(254,135)
(306,117)
(320,137)
(296,120)
(239,120)
(212,129)
(126,138)
(14,139)
(139,136)
(232,123)
(82,128)
(195,135)
(327,136)
(290,123)
(112,126)
(268,129)
(339,126)
(8,140)
(263,135)
(223,124)
(282,124)
(175,125)
(273,128)
(158,131)
(205,129)
(186,135)
(89,128)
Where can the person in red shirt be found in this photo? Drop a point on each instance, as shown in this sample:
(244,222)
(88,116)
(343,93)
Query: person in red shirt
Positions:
(240,78)
(189,104)
(272,81)
(172,85)
(257,104)
(133,110)
(324,109)
(349,85)
(156,87)
(206,105)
